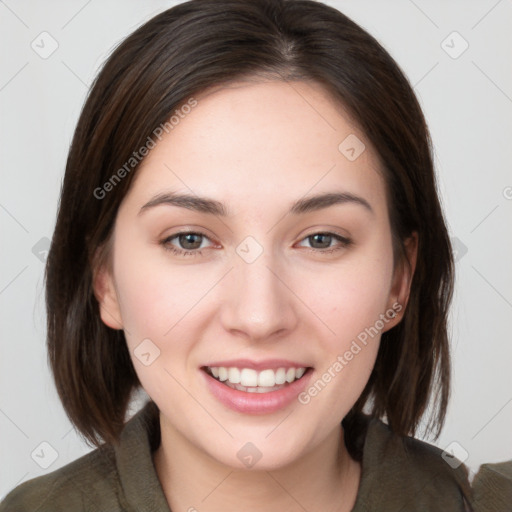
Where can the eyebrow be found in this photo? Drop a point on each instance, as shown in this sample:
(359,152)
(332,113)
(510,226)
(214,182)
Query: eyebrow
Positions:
(213,207)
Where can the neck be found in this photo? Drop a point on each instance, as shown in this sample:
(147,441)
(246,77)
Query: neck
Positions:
(326,479)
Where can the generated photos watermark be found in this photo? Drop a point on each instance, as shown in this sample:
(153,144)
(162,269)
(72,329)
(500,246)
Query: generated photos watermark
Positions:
(137,156)
(355,348)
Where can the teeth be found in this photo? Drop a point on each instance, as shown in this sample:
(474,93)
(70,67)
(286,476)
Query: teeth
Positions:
(234,375)
(267,378)
(248,377)
(251,379)
(281,376)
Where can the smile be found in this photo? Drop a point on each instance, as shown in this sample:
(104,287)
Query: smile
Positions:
(253,381)
(256,388)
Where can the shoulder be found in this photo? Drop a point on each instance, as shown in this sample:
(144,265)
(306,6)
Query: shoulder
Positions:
(112,477)
(87,483)
(409,473)
(492,487)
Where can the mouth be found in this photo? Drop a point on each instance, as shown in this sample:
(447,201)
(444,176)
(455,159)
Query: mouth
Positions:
(251,380)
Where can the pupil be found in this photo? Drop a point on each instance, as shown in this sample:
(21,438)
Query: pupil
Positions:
(326,239)
(189,239)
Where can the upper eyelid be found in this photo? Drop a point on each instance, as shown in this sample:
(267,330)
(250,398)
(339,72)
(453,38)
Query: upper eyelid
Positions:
(187,232)
(175,235)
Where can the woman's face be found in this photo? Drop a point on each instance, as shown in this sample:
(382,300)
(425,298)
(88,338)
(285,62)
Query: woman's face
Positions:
(268,285)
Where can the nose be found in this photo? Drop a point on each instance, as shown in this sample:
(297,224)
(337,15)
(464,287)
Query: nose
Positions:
(259,304)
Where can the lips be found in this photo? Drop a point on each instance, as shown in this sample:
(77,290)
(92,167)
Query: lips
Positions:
(256,387)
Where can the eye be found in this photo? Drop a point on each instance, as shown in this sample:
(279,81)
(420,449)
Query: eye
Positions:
(322,242)
(190,243)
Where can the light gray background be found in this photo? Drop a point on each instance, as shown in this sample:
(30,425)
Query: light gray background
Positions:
(468,104)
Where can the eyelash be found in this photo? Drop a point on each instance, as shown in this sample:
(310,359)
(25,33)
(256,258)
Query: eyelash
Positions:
(344,243)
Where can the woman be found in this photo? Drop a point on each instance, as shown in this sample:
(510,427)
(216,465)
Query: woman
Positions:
(249,230)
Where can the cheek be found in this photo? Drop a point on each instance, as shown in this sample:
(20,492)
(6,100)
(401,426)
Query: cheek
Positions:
(159,302)
(154,292)
(155,295)
(350,302)
(350,298)
(155,304)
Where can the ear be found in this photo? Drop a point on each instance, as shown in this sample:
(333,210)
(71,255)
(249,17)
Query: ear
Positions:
(402,279)
(106,295)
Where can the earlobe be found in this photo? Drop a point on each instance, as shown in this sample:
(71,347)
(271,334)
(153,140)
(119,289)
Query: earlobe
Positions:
(402,280)
(106,295)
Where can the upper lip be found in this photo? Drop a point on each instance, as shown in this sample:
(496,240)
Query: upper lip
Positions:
(267,364)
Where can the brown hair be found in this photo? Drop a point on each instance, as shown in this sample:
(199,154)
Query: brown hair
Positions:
(179,53)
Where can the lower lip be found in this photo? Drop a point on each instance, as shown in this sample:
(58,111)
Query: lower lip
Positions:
(256,403)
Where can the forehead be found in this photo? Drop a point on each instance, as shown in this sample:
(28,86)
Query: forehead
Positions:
(258,140)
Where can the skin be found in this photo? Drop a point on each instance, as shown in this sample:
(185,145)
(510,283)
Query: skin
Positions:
(257,147)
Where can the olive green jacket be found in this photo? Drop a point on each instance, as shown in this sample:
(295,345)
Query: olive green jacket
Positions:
(397,475)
